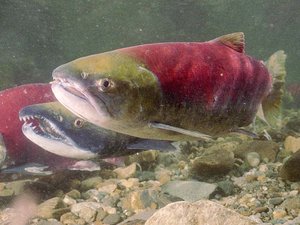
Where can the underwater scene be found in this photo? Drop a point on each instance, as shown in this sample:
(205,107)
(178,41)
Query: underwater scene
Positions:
(141,112)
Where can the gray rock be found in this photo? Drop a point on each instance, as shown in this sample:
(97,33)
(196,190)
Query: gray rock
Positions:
(112,219)
(291,167)
(190,190)
(201,212)
(226,187)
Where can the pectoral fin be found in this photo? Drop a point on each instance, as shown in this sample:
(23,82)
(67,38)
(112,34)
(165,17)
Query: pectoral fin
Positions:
(85,165)
(195,134)
(147,144)
(29,169)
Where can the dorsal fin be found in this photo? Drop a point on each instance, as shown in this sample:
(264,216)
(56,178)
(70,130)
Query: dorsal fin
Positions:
(236,41)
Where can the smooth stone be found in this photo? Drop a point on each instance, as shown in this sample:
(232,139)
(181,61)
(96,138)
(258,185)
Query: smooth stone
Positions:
(101,214)
(86,210)
(145,175)
(90,183)
(48,223)
(51,208)
(129,183)
(68,200)
(292,144)
(279,213)
(190,190)
(112,219)
(291,203)
(226,186)
(276,201)
(139,218)
(126,172)
(291,167)
(201,212)
(109,188)
(141,199)
(6,192)
(163,176)
(75,194)
(215,160)
(253,159)
(71,219)
(266,149)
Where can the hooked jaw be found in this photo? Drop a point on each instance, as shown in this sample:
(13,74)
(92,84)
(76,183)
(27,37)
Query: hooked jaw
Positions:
(48,135)
(71,90)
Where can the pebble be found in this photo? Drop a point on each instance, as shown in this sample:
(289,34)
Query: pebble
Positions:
(71,219)
(253,159)
(126,172)
(276,201)
(86,210)
(182,189)
(279,213)
(292,144)
(112,219)
(90,183)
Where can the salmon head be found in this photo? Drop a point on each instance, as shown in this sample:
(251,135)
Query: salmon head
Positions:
(107,89)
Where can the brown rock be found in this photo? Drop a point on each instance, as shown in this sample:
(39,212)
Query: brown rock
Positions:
(266,149)
(215,160)
(202,212)
(52,208)
(126,172)
(292,144)
(290,169)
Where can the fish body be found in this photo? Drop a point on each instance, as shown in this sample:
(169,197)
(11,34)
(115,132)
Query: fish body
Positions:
(18,149)
(167,91)
(57,130)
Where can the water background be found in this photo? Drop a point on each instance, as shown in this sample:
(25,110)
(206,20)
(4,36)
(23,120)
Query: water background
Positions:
(38,35)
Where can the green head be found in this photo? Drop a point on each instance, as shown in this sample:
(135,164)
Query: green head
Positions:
(108,88)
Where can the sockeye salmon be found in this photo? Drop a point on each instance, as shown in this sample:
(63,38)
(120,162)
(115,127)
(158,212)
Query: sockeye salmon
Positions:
(169,91)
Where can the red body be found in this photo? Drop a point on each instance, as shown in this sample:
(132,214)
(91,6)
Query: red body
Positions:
(223,83)
(21,150)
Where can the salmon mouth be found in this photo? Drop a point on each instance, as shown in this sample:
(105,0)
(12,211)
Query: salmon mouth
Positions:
(41,126)
(49,134)
(75,97)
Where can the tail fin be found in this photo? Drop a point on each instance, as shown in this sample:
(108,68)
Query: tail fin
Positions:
(271,105)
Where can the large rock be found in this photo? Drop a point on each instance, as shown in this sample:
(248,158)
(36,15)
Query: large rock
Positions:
(291,167)
(292,144)
(190,190)
(215,160)
(201,212)
(266,149)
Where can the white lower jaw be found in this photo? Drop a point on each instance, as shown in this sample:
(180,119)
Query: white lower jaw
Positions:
(79,106)
(57,147)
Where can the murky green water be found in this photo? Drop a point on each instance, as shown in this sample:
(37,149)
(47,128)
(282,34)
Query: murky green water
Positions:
(36,36)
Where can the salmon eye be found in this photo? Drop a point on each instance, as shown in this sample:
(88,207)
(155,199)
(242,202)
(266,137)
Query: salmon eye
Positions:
(78,123)
(105,84)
